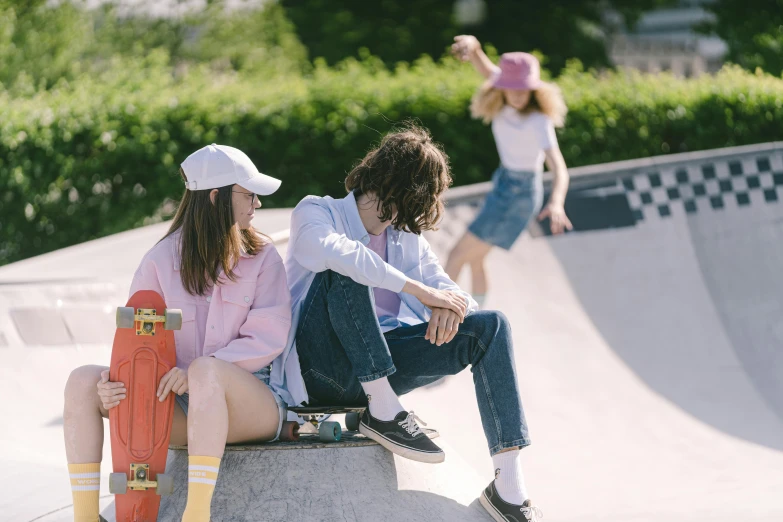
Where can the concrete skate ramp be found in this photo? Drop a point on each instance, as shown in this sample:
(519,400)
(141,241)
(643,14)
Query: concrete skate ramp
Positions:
(648,347)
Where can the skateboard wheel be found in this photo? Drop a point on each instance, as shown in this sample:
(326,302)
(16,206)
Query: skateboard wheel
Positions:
(165,484)
(290,431)
(352,421)
(330,432)
(126,317)
(173,319)
(118,483)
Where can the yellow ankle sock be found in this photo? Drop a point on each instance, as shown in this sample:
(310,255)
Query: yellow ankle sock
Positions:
(202,476)
(85,487)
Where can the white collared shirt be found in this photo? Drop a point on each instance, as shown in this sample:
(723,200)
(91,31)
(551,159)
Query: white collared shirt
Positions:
(328,234)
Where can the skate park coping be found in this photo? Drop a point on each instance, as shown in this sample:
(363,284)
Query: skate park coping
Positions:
(592,175)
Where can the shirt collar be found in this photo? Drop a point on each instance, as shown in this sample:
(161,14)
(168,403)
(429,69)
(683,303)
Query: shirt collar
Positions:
(394,235)
(355,225)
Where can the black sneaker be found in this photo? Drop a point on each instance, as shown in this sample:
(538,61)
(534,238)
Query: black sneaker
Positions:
(402,436)
(502,511)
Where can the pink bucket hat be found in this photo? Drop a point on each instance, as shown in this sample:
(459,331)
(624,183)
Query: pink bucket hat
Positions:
(518,71)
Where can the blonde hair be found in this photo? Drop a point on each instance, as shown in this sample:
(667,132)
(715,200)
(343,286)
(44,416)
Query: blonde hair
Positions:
(547,99)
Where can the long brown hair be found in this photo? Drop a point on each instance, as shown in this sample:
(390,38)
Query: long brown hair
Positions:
(210,240)
(547,99)
(408,172)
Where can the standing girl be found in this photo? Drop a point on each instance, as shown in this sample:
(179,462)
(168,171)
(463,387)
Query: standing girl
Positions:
(229,281)
(524,112)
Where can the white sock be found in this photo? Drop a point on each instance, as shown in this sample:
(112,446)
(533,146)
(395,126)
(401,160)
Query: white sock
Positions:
(509,480)
(384,404)
(480,298)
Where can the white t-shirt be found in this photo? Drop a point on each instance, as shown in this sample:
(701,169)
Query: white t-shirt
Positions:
(521,139)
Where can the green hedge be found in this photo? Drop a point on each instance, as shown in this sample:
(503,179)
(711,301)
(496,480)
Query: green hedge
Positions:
(100,155)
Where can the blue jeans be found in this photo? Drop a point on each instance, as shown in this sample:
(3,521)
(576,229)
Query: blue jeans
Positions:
(340,345)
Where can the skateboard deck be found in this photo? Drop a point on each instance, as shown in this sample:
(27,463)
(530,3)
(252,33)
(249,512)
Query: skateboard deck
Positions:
(142,353)
(317,417)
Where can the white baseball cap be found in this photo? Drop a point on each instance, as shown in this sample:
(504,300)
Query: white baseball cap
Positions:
(216,166)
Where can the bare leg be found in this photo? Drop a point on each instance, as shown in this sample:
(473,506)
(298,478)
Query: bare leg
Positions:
(469,249)
(83,416)
(479,276)
(227,404)
(457,259)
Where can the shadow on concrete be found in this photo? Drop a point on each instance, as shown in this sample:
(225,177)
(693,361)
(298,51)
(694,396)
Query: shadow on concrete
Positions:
(646,295)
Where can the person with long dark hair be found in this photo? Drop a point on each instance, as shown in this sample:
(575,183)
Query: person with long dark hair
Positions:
(230,283)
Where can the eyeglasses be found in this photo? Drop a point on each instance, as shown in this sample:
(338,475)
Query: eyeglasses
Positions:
(250,195)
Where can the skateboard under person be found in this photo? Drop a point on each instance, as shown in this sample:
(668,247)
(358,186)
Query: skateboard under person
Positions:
(230,283)
(375,316)
(524,112)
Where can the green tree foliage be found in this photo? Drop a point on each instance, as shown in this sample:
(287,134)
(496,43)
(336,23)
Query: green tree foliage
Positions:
(250,40)
(753,32)
(390,29)
(396,31)
(41,44)
(561,29)
(97,109)
(100,155)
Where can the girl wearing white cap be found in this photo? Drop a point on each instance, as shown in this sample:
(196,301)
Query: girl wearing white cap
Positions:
(230,283)
(523,111)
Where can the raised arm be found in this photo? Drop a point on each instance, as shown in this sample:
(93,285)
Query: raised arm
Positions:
(467,48)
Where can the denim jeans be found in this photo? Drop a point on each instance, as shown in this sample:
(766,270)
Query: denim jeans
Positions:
(340,345)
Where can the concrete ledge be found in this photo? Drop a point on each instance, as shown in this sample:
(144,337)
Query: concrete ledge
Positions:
(353,480)
(307,441)
(595,174)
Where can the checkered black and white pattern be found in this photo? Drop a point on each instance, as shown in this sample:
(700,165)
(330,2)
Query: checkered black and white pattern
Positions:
(705,187)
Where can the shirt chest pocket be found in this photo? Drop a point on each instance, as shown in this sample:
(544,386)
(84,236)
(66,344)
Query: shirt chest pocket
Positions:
(237,299)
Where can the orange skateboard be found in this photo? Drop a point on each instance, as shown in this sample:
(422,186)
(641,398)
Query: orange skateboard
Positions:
(143,352)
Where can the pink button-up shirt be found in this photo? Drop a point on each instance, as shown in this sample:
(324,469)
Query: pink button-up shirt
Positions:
(245,322)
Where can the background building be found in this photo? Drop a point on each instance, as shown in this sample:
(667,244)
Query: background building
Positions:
(668,40)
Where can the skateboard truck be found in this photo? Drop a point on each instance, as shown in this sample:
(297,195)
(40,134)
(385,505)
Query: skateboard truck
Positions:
(143,320)
(315,420)
(140,472)
(119,483)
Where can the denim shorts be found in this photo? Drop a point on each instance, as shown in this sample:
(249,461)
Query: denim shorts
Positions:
(515,198)
(263,376)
